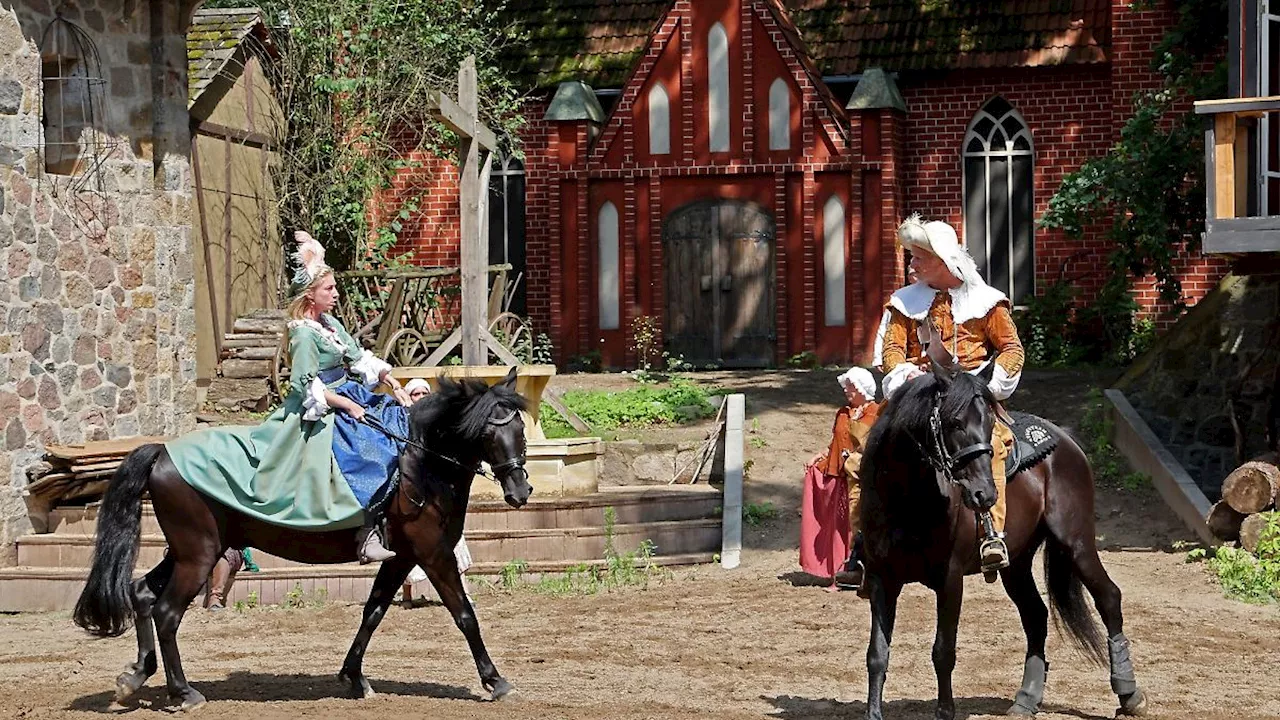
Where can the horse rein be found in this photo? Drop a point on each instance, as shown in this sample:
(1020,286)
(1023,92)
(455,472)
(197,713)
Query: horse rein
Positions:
(942,460)
(506,465)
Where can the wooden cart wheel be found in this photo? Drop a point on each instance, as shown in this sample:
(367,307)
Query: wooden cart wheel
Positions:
(406,348)
(280,368)
(512,331)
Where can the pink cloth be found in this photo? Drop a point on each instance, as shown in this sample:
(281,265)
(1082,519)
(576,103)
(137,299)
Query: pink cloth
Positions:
(824,523)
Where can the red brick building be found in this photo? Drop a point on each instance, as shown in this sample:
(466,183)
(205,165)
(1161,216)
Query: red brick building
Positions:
(735,168)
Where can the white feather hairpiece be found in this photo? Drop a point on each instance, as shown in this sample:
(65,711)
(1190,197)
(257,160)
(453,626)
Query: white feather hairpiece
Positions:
(309,259)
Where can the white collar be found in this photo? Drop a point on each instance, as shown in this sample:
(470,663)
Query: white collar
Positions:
(325,332)
(968,302)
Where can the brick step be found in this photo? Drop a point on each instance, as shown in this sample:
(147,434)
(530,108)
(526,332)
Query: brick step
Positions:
(631,505)
(672,537)
(39,589)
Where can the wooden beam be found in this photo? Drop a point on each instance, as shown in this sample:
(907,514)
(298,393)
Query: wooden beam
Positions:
(1238,105)
(204,246)
(1224,165)
(475,249)
(247,138)
(457,119)
(444,348)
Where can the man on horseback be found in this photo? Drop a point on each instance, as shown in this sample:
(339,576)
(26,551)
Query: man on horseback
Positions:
(975,325)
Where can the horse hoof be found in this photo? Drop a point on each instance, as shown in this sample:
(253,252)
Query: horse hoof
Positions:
(1133,705)
(190,700)
(126,686)
(360,686)
(503,690)
(1019,711)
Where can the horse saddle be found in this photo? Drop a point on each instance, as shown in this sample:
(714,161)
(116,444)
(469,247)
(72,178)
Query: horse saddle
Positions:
(1032,443)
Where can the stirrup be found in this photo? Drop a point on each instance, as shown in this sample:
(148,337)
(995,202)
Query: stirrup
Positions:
(994,554)
(369,547)
(852,576)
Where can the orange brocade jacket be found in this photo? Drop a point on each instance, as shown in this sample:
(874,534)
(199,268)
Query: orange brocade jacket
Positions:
(972,343)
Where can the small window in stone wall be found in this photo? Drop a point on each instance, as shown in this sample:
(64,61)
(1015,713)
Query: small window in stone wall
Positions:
(73,113)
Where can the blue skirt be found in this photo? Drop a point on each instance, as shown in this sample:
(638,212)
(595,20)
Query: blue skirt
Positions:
(367,457)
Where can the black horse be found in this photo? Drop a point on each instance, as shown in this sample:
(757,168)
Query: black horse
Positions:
(450,433)
(927,481)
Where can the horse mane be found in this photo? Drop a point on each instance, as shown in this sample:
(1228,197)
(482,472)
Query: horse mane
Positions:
(910,408)
(462,407)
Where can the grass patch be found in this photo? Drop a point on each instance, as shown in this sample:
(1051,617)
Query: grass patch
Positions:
(1109,468)
(647,405)
(636,568)
(757,514)
(1245,576)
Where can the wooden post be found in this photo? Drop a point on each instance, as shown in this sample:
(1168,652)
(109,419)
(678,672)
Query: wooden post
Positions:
(204,246)
(474,250)
(1224,161)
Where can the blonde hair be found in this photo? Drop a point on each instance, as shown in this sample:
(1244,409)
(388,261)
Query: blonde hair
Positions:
(300,306)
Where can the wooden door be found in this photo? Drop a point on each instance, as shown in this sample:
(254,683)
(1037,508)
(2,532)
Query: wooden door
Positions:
(720,284)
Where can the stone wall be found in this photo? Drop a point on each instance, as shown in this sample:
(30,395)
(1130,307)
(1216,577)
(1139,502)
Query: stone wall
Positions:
(97,319)
(1180,388)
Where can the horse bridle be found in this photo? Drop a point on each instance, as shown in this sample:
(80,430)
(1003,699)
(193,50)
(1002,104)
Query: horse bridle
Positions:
(942,460)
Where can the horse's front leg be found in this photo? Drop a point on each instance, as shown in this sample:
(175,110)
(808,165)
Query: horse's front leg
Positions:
(390,576)
(950,597)
(444,576)
(884,610)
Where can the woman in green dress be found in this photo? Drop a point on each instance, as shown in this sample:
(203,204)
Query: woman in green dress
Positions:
(313,463)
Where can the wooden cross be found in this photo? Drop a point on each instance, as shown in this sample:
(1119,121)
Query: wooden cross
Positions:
(462,117)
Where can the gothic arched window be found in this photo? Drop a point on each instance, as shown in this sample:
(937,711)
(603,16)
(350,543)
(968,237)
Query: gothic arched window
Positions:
(779,115)
(718,88)
(659,120)
(607,237)
(999,160)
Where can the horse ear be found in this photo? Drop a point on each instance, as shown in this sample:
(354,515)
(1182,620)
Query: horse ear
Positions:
(944,374)
(509,381)
(936,349)
(987,372)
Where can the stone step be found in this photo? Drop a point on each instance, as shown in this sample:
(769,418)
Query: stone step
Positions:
(26,589)
(574,544)
(631,505)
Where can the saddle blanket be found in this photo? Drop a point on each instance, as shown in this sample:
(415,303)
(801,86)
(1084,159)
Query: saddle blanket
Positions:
(1033,441)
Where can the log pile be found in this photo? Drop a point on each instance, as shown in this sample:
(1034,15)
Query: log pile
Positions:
(249,350)
(80,473)
(1250,495)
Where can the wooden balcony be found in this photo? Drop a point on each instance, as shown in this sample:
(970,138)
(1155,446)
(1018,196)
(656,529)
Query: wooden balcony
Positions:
(1238,184)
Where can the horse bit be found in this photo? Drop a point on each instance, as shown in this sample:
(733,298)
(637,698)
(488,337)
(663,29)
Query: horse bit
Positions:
(945,463)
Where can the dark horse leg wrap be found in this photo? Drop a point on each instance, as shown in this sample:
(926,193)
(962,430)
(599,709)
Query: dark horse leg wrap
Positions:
(1122,680)
(1034,672)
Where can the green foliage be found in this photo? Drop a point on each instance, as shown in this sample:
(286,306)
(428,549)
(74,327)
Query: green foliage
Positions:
(543,351)
(675,401)
(757,442)
(636,568)
(1109,468)
(250,602)
(757,514)
(297,598)
(1148,190)
(353,78)
(1245,576)
(1044,328)
(645,341)
(591,361)
(1056,333)
(807,360)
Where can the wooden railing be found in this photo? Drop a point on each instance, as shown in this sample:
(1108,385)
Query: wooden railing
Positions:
(1234,195)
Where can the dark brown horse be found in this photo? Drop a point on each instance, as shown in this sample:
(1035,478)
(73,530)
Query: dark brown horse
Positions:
(927,478)
(450,433)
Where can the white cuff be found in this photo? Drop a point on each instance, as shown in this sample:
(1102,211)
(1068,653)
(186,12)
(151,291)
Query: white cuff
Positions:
(462,554)
(369,369)
(898,377)
(1002,383)
(313,404)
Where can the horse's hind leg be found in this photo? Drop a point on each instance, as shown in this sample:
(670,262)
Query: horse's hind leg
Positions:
(189,575)
(390,576)
(1106,597)
(146,590)
(1020,584)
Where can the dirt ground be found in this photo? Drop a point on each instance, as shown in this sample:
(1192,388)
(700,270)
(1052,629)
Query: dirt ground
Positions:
(705,643)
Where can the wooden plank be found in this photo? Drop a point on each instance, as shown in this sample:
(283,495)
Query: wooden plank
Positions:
(556,401)
(731,542)
(246,369)
(226,233)
(260,326)
(242,137)
(444,349)
(1224,165)
(250,353)
(101,448)
(1236,105)
(474,248)
(391,316)
(204,244)
(497,348)
(459,120)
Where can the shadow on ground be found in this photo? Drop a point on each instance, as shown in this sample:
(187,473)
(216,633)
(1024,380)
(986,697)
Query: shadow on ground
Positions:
(798,708)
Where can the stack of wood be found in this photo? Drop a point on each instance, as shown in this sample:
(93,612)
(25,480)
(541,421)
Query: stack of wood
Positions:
(80,473)
(1250,494)
(249,350)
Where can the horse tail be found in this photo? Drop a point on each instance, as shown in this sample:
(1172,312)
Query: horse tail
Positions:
(1069,603)
(105,607)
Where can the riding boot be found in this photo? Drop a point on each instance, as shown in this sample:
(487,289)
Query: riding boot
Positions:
(215,596)
(369,546)
(851,576)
